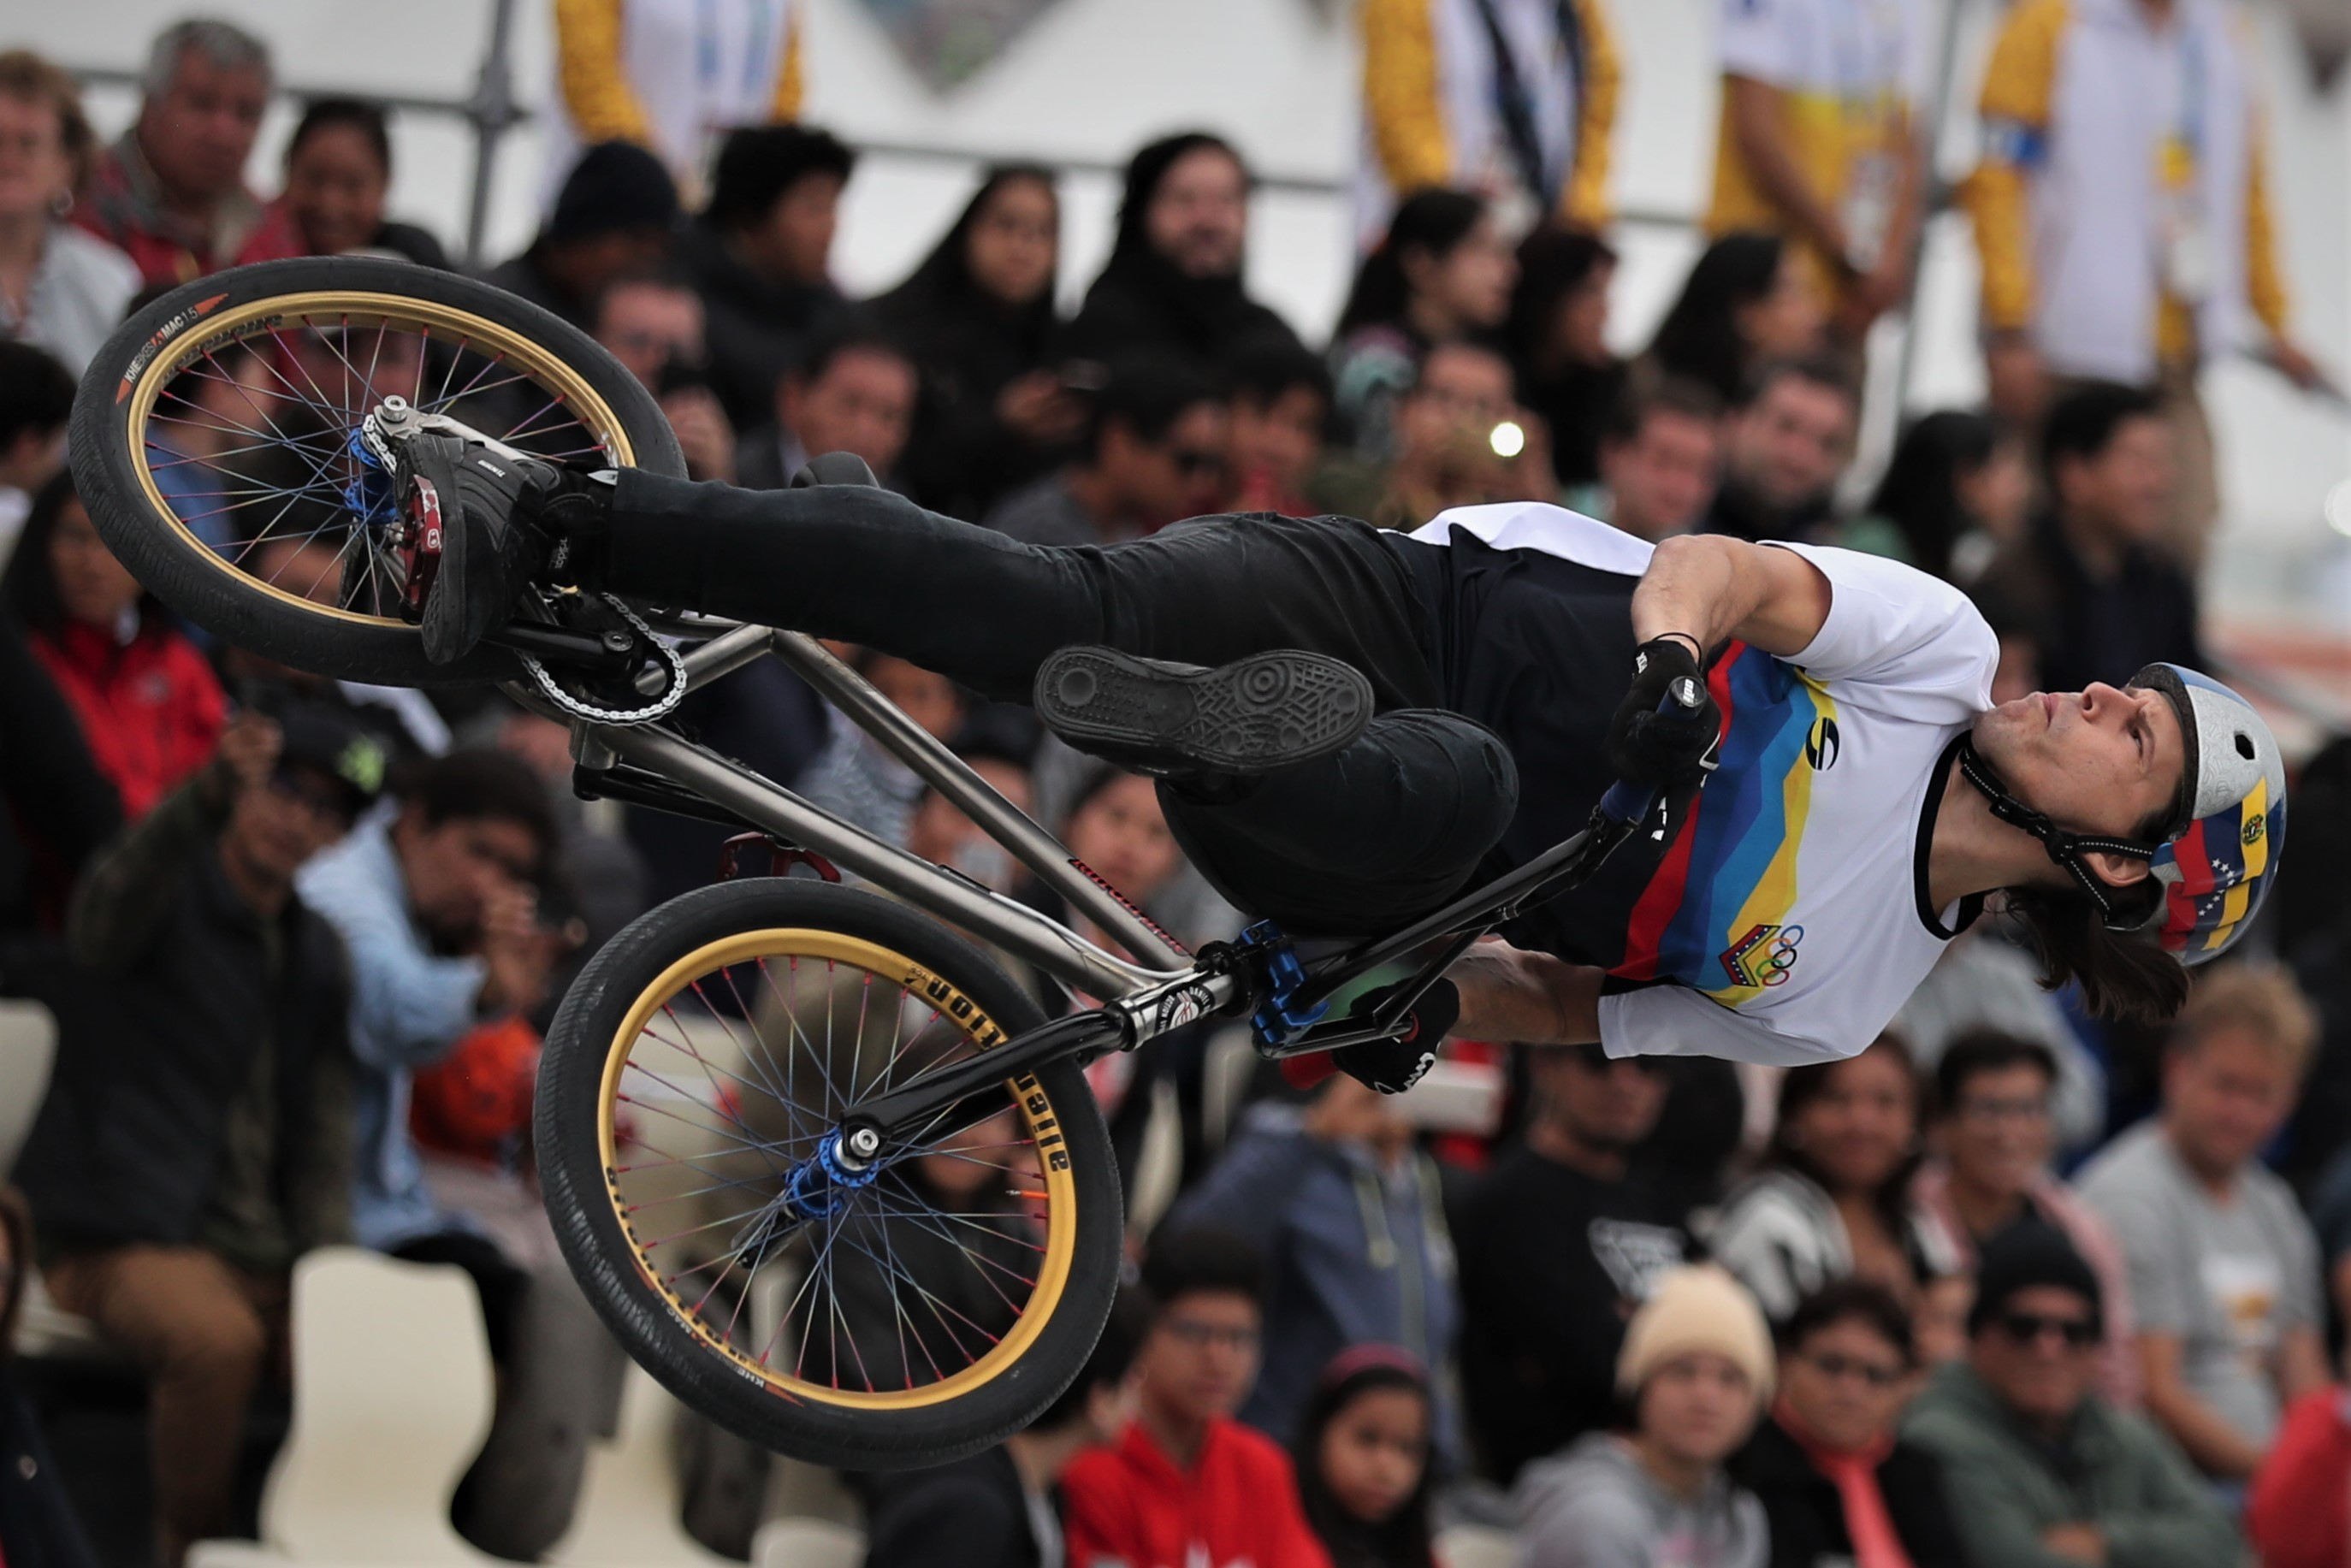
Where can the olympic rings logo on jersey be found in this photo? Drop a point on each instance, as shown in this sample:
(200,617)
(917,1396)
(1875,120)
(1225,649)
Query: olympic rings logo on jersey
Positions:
(1765,956)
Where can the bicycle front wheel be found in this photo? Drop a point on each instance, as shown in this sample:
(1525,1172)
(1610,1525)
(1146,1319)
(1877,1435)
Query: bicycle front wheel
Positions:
(213,445)
(906,1315)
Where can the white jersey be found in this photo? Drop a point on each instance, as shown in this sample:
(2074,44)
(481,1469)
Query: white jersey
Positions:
(1789,919)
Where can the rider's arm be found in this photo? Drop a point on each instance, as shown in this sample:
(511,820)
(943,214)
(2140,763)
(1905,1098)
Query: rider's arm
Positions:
(1711,588)
(1508,993)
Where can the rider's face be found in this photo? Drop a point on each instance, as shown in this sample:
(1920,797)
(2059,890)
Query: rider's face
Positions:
(2104,760)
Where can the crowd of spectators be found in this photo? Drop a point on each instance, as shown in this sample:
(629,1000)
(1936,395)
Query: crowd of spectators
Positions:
(2010,1286)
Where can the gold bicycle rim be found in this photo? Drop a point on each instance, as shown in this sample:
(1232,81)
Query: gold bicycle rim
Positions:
(279,310)
(1029,1098)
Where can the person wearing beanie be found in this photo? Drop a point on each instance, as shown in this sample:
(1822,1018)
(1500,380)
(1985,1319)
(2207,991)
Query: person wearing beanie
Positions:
(2040,1470)
(1695,1372)
(614,218)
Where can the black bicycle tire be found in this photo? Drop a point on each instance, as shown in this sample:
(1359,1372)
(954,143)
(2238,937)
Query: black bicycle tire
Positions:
(574,1186)
(171,564)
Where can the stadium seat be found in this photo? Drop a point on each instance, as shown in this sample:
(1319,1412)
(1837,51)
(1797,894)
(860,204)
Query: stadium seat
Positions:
(630,1506)
(391,1397)
(808,1543)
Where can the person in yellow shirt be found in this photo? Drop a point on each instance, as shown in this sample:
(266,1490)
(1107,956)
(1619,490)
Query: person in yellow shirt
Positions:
(1817,145)
(673,75)
(2135,121)
(1515,99)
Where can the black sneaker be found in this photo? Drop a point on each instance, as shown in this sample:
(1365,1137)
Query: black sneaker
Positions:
(512,519)
(1237,720)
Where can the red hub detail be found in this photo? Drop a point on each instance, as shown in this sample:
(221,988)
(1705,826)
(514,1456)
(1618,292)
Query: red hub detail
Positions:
(422,508)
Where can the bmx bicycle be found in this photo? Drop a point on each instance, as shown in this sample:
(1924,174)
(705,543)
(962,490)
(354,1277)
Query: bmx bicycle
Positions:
(821,1165)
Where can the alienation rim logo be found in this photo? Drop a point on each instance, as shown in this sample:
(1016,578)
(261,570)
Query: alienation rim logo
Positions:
(164,334)
(1764,956)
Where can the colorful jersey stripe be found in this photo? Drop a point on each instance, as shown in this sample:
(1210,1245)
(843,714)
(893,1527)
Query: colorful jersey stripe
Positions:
(1714,914)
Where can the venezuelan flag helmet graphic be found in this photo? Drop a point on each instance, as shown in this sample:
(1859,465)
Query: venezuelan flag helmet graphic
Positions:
(2220,855)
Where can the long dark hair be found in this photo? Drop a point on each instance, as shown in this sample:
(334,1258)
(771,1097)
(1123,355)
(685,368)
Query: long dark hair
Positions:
(1432,221)
(1553,263)
(1803,1086)
(1145,171)
(29,586)
(1700,337)
(945,280)
(2124,976)
(1919,494)
(1403,1540)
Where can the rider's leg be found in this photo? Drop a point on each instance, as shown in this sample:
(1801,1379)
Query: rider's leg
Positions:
(871,566)
(1361,841)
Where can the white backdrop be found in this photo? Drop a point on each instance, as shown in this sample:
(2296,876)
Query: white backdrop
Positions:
(1092,78)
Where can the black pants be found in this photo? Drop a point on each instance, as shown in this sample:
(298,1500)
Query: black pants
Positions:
(1347,844)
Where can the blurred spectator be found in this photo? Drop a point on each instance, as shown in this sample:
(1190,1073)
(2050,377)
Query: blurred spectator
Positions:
(1785,443)
(853,392)
(1747,303)
(1443,271)
(1832,1198)
(337,172)
(1660,459)
(668,77)
(1985,981)
(1281,407)
(1560,1244)
(233,1032)
(1365,1467)
(150,707)
(1174,282)
(2040,1471)
(60,288)
(171,191)
(616,217)
(1993,1138)
(996,1510)
(2123,216)
(1516,100)
(1954,494)
(1695,1372)
(62,807)
(2090,574)
(1817,145)
(1153,454)
(1186,1482)
(940,832)
(853,778)
(760,256)
(38,1527)
(36,397)
(1837,1486)
(653,326)
(2299,1513)
(1347,1213)
(977,314)
(1558,338)
(1452,447)
(2223,1267)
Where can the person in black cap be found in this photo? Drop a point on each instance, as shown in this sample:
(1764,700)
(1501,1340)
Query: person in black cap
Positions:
(1174,283)
(2040,1471)
(197,1138)
(614,218)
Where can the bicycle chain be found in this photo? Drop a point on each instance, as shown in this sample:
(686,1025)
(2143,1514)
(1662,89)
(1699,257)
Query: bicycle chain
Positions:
(579,708)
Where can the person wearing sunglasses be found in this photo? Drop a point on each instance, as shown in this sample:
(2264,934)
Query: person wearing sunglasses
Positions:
(1153,452)
(1836,1483)
(2040,1472)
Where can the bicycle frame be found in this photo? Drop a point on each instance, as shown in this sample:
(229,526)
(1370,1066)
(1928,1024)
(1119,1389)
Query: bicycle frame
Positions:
(653,765)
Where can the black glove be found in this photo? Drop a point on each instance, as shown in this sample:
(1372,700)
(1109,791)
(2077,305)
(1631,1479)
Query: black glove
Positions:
(1392,1066)
(1671,749)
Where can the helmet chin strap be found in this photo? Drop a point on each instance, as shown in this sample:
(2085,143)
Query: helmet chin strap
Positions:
(2064,848)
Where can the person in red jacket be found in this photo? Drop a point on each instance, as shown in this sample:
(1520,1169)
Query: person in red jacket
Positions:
(150,707)
(1186,1484)
(2299,1515)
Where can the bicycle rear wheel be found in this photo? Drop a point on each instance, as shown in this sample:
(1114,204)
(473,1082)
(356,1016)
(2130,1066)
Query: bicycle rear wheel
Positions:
(212,442)
(905,1315)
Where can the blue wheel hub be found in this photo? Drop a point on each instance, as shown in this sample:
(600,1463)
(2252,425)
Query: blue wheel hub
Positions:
(819,1185)
(371,496)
